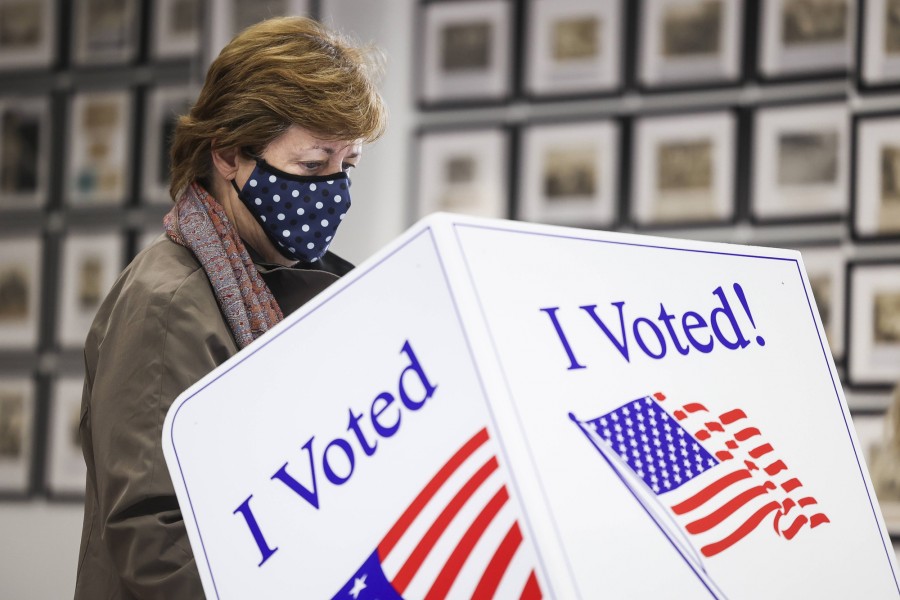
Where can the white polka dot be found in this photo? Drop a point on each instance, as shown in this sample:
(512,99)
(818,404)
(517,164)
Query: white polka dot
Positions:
(276,198)
(291,249)
(305,228)
(328,239)
(280,217)
(258,202)
(342,216)
(300,211)
(324,223)
(337,198)
(263,217)
(286,233)
(280,244)
(252,183)
(271,179)
(319,205)
(331,182)
(295,193)
(312,186)
(310,245)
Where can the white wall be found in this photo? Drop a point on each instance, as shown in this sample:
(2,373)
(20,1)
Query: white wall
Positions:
(39,540)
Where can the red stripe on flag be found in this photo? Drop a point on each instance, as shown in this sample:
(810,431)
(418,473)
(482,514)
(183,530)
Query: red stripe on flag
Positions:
(393,536)
(463,549)
(731,445)
(729,508)
(659,396)
(532,590)
(680,415)
(418,556)
(493,574)
(775,467)
(724,455)
(760,450)
(738,534)
(791,531)
(714,426)
(791,484)
(806,501)
(817,519)
(732,415)
(745,434)
(709,491)
(702,435)
(694,407)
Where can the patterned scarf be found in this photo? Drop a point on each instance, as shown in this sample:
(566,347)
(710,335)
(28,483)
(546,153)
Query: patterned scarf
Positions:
(199,223)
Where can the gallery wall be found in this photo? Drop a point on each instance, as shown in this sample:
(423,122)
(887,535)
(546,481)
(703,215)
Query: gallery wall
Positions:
(772,123)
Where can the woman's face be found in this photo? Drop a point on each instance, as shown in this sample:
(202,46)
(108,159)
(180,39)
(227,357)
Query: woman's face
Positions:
(296,151)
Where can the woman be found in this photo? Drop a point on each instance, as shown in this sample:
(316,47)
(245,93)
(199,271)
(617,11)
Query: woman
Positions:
(259,182)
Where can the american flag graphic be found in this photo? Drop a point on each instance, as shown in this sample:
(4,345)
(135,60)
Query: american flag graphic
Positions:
(459,538)
(715,476)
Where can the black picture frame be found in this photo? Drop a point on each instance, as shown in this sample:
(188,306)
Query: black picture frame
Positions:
(867,279)
(868,212)
(19,435)
(876,71)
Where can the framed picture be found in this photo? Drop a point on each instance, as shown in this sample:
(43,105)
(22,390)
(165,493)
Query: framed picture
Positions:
(98,167)
(684,169)
(227,18)
(873,341)
(106,31)
(876,176)
(690,42)
(20,292)
(467,52)
(806,38)
(65,469)
(27,34)
(24,151)
(877,435)
(17,410)
(800,162)
(569,173)
(164,106)
(463,171)
(90,262)
(574,47)
(177,28)
(878,62)
(826,268)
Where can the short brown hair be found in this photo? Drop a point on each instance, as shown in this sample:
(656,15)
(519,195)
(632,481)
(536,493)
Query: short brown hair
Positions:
(280,72)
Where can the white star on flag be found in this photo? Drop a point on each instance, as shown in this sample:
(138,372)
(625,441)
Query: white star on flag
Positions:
(359,584)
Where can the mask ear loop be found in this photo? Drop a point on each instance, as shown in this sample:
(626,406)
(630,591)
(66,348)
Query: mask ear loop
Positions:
(240,195)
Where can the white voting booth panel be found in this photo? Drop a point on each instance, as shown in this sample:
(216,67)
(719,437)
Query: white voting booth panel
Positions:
(498,409)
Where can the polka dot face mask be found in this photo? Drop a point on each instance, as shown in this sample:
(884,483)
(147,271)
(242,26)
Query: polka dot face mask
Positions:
(299,214)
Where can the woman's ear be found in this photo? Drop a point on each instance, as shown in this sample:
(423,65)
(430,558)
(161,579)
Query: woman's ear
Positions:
(225,162)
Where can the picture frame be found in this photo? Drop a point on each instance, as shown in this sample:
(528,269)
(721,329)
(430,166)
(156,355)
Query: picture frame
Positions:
(684,169)
(569,173)
(24,151)
(878,60)
(826,268)
(800,162)
(105,31)
(881,452)
(803,39)
(27,34)
(574,48)
(18,407)
(226,18)
(98,166)
(873,324)
(875,200)
(463,171)
(65,468)
(177,29)
(21,263)
(466,55)
(690,43)
(163,107)
(90,263)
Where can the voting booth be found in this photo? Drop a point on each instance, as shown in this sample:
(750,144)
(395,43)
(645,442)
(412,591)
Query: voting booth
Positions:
(498,409)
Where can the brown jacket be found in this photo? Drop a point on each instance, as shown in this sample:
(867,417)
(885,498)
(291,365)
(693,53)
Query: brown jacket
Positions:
(158,331)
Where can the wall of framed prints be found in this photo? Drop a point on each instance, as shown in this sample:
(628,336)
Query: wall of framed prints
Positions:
(769,122)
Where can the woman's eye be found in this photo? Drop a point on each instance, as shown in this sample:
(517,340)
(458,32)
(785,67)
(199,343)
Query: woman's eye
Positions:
(312,166)
(347,166)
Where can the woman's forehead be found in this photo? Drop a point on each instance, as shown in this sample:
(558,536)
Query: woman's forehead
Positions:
(299,139)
